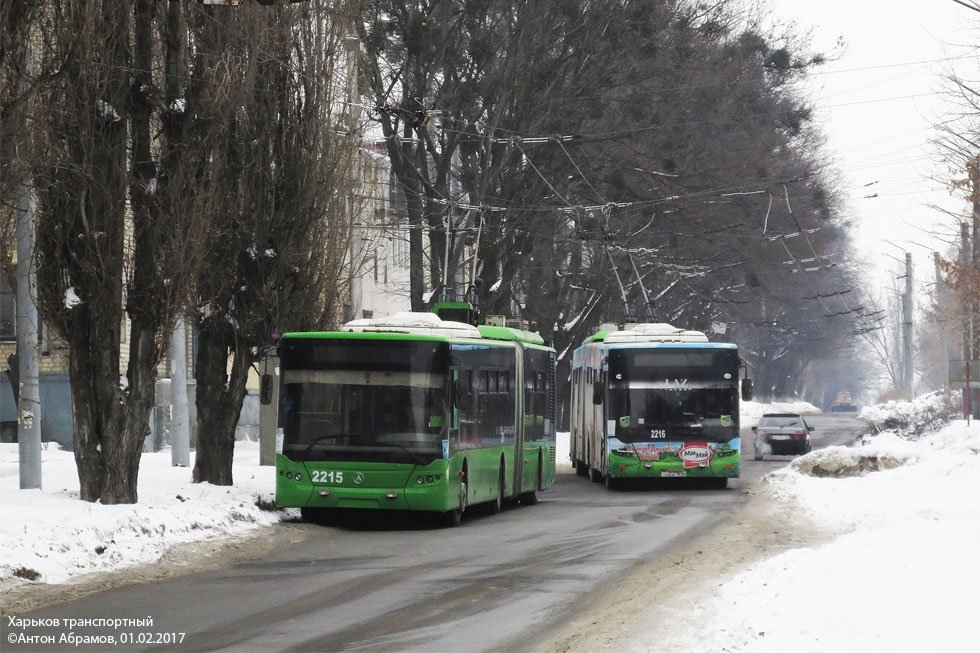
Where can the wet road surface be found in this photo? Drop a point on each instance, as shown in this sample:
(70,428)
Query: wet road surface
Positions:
(495,583)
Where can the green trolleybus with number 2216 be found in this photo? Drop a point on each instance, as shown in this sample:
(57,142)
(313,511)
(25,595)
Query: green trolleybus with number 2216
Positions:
(655,401)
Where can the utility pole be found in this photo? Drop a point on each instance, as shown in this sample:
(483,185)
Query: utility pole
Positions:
(29,404)
(972,307)
(897,350)
(180,425)
(909,379)
(943,305)
(970,253)
(29,390)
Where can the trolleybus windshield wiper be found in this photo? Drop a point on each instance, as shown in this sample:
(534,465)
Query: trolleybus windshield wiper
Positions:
(415,457)
(321,438)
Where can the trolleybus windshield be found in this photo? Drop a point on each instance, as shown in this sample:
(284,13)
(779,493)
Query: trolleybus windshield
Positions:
(674,394)
(365,400)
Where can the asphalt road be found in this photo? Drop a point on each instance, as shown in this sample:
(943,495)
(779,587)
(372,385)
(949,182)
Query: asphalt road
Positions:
(495,583)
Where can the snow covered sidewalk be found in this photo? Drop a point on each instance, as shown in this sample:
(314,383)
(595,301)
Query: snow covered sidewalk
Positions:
(50,536)
(898,573)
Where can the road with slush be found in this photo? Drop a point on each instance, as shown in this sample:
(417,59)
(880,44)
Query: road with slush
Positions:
(501,582)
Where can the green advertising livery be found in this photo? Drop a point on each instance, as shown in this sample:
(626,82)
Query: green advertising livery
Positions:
(414,413)
(654,401)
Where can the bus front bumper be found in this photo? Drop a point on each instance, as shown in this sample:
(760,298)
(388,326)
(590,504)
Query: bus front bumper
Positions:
(364,486)
(629,467)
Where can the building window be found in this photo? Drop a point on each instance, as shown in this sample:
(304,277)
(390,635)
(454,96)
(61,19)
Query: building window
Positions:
(366,314)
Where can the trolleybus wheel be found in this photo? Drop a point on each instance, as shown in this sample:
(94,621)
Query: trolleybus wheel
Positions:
(528,498)
(453,517)
(498,504)
(531,498)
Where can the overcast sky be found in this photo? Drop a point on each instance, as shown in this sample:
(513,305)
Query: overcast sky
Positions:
(877,103)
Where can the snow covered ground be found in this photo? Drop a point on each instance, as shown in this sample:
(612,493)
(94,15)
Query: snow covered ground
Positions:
(49,535)
(898,572)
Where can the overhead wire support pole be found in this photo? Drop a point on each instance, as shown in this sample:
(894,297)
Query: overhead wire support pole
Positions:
(943,303)
(28,369)
(907,328)
(907,331)
(29,395)
(969,255)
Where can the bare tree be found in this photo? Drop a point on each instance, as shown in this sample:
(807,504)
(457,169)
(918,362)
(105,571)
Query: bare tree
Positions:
(617,161)
(108,241)
(285,176)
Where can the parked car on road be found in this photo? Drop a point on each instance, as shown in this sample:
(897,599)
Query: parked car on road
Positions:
(781,433)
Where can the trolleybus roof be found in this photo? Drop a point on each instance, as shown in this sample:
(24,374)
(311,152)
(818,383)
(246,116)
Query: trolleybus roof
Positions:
(647,332)
(429,324)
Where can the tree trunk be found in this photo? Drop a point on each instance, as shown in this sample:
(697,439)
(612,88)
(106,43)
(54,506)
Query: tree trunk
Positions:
(94,375)
(85,422)
(95,263)
(219,402)
(122,414)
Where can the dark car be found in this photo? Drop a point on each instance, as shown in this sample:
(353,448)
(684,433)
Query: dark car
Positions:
(782,433)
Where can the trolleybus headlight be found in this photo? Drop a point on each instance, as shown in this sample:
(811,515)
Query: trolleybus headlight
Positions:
(420,480)
(289,475)
(298,476)
(429,479)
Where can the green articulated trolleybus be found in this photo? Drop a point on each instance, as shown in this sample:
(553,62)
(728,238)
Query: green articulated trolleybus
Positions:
(414,413)
(653,401)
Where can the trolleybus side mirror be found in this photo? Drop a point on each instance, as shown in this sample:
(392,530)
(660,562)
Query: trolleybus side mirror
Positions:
(746,389)
(265,390)
(598,390)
